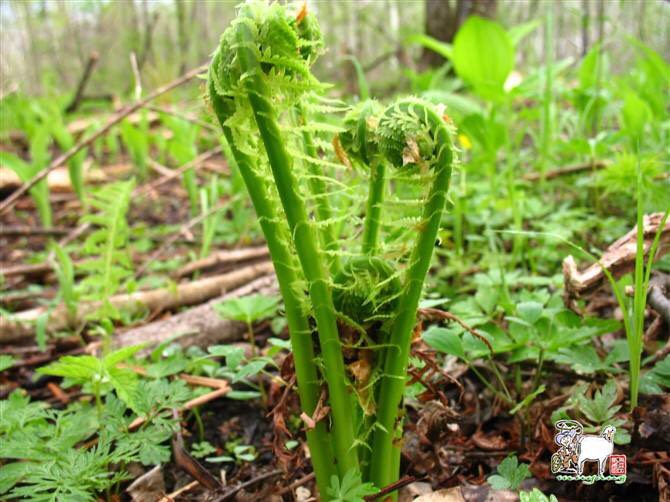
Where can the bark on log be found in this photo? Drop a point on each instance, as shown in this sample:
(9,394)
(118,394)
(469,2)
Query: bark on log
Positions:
(223,257)
(22,324)
(618,259)
(658,297)
(59,179)
(200,326)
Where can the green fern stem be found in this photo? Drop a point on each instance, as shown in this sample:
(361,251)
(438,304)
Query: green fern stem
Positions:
(307,377)
(306,244)
(372,226)
(384,467)
(318,187)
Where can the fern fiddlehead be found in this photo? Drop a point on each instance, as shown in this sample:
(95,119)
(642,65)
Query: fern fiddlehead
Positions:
(410,131)
(259,79)
(261,46)
(299,329)
(358,141)
(304,235)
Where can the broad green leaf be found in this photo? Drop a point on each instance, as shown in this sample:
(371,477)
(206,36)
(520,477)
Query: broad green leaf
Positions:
(635,114)
(6,362)
(483,56)
(442,48)
(529,311)
(445,341)
(520,31)
(77,367)
(248,309)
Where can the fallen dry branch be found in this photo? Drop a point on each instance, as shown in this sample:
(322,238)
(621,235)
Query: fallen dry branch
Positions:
(220,390)
(21,325)
(200,326)
(29,269)
(9,202)
(566,171)
(223,257)
(59,178)
(658,297)
(145,190)
(618,259)
(28,231)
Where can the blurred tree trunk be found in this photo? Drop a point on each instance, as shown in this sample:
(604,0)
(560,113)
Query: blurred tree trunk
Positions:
(182,38)
(443,18)
(586,21)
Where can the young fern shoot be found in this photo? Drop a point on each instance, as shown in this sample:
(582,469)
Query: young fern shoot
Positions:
(410,131)
(258,83)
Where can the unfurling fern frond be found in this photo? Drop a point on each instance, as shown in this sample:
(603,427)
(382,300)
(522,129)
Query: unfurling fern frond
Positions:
(111,263)
(360,299)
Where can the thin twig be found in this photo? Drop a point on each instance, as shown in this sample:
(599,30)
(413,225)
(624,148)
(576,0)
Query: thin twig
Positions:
(193,403)
(262,477)
(432,313)
(27,231)
(183,116)
(296,484)
(9,202)
(144,190)
(184,228)
(404,481)
(593,165)
(171,496)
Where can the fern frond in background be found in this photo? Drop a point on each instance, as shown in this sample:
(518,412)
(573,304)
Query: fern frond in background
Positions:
(107,244)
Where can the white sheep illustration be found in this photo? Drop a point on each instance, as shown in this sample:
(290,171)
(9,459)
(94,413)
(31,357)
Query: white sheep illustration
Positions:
(599,448)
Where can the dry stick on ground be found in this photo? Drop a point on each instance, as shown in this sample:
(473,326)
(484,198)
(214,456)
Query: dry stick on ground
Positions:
(433,313)
(182,230)
(565,171)
(658,297)
(22,324)
(171,497)
(221,388)
(223,257)
(26,231)
(59,179)
(9,202)
(144,190)
(30,269)
(198,326)
(79,93)
(305,479)
(183,116)
(257,479)
(619,259)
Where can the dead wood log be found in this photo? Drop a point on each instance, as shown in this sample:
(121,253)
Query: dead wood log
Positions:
(565,171)
(658,297)
(22,324)
(28,231)
(223,257)
(59,179)
(618,259)
(200,326)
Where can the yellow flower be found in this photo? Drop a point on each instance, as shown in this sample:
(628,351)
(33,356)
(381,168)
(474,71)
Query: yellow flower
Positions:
(464,141)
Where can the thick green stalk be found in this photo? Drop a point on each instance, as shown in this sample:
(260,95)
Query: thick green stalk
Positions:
(307,248)
(384,468)
(318,187)
(373,210)
(307,377)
